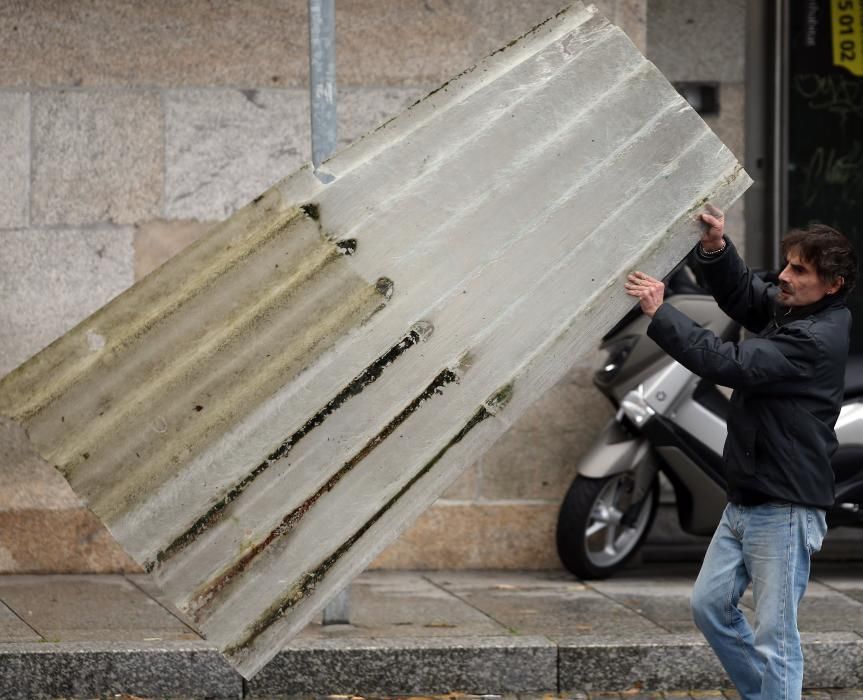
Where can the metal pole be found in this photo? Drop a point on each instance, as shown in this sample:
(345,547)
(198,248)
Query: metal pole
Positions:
(758,129)
(322,91)
(322,77)
(338,610)
(780,131)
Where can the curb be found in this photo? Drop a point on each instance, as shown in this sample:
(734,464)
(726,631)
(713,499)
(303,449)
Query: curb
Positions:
(410,666)
(831,660)
(94,669)
(480,666)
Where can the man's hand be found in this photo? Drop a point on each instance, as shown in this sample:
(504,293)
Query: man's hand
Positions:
(711,240)
(649,291)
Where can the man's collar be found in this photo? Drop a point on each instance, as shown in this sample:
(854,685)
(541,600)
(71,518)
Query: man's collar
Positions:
(784,314)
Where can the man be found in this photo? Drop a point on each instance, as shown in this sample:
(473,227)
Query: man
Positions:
(788,385)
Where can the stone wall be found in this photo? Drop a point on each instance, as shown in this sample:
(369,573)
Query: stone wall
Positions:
(127,128)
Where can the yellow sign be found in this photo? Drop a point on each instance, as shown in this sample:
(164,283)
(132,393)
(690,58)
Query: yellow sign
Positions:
(845,16)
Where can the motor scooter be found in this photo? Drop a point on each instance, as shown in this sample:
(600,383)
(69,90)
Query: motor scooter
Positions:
(671,421)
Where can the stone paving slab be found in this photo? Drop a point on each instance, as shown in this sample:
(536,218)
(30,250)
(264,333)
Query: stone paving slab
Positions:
(549,603)
(402,604)
(827,610)
(823,609)
(14,629)
(91,669)
(90,608)
(665,603)
(410,666)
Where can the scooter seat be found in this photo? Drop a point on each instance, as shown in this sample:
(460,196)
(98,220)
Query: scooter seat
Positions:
(854,377)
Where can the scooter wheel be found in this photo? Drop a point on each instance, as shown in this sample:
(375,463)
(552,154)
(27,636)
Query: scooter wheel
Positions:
(599,528)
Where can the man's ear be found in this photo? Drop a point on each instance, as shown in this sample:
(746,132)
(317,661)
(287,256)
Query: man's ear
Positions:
(838,283)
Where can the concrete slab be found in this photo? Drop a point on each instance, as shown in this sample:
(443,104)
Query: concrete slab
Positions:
(90,608)
(380,298)
(487,665)
(391,605)
(362,109)
(14,629)
(100,669)
(536,458)
(552,604)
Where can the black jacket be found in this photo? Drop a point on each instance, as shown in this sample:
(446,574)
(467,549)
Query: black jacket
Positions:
(788,382)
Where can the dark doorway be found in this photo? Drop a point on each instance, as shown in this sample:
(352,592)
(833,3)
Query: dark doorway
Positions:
(825,123)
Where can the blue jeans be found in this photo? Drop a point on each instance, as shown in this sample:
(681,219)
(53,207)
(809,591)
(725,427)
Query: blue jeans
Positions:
(768,545)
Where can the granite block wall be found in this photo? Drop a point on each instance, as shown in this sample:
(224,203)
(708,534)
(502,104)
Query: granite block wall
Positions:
(128,128)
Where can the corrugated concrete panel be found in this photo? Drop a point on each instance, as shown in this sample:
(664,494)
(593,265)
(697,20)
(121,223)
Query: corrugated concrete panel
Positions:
(258,418)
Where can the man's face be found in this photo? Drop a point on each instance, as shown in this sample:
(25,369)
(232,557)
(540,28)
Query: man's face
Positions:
(799,283)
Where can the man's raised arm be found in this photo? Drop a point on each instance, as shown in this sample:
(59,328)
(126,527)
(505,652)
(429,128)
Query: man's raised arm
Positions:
(739,293)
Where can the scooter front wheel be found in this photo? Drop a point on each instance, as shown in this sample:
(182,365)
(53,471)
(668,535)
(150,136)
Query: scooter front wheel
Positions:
(600,527)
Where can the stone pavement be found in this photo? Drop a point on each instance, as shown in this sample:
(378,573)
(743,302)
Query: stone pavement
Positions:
(491,633)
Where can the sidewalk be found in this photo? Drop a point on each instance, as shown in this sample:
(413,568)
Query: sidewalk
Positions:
(411,633)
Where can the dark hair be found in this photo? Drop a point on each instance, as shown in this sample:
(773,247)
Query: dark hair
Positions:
(828,250)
